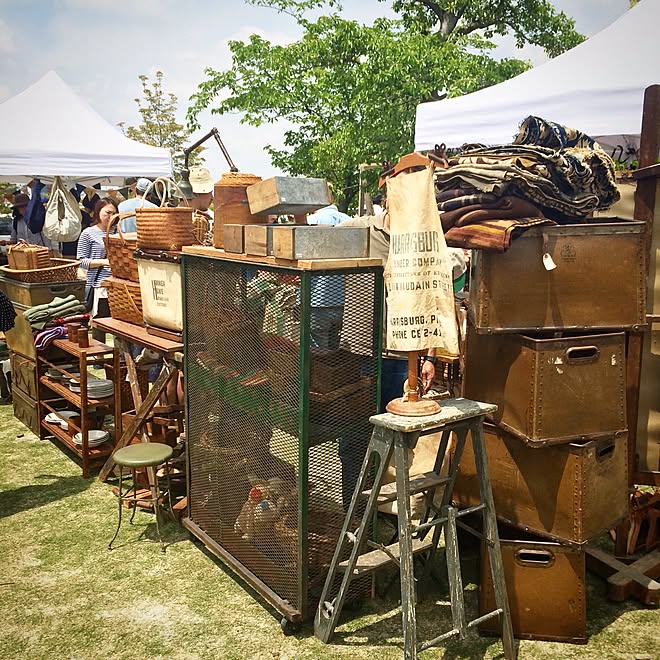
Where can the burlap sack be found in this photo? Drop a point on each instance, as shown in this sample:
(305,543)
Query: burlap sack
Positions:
(418,276)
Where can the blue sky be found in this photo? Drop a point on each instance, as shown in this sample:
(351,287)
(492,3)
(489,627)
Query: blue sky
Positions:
(99,47)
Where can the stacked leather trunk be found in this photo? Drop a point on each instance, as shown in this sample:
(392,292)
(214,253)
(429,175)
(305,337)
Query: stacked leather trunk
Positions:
(546,342)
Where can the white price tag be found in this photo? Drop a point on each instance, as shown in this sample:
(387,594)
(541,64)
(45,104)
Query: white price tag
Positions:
(548,263)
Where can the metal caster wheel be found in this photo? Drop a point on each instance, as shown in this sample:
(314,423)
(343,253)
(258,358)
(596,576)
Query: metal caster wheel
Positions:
(289,627)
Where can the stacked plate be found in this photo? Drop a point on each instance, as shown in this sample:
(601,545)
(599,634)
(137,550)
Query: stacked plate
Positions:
(60,418)
(97,388)
(94,438)
(55,374)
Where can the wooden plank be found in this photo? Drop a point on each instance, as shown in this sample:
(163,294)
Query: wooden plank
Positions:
(372,561)
(302,264)
(419,484)
(157,389)
(138,335)
(624,581)
(95,348)
(452,410)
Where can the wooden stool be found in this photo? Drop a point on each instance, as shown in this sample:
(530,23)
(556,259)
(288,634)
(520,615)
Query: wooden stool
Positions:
(397,434)
(144,455)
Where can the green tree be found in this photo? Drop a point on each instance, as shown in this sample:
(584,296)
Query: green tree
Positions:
(5,190)
(349,90)
(159,126)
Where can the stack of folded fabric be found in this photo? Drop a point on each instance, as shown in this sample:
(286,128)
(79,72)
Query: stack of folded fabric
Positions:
(58,308)
(550,172)
(49,320)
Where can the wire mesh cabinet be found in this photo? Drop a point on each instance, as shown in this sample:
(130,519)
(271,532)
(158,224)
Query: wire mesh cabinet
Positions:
(282,374)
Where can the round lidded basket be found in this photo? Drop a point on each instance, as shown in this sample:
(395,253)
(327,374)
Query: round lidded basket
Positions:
(231,203)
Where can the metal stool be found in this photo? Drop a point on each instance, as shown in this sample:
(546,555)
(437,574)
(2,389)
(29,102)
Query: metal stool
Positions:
(396,435)
(147,455)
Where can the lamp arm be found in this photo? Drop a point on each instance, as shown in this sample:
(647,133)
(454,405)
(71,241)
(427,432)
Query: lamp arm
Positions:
(213,132)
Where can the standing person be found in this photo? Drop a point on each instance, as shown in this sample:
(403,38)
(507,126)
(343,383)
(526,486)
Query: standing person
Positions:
(94,259)
(327,291)
(19,229)
(128,225)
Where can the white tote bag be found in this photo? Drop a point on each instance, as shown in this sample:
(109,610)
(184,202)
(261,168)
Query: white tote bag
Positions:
(63,217)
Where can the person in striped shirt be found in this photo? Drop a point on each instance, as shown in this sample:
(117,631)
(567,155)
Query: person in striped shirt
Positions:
(94,259)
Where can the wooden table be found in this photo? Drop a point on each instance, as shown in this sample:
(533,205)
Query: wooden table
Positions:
(172,354)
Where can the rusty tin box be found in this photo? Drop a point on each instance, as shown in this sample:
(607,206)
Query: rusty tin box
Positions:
(24,375)
(545,583)
(549,390)
(599,280)
(570,493)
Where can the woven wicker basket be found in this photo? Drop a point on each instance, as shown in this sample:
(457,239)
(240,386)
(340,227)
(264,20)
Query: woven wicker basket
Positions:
(120,248)
(124,300)
(165,228)
(60,270)
(24,256)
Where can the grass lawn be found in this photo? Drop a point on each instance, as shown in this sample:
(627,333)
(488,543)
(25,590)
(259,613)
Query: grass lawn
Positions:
(64,595)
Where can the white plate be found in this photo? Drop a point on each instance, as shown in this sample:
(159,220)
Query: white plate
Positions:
(94,438)
(52,418)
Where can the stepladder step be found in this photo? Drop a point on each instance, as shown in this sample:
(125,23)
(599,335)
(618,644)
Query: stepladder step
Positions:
(376,559)
(418,484)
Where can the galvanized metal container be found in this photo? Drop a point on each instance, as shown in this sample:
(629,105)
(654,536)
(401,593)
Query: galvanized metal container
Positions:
(599,280)
(570,493)
(320,242)
(286,195)
(546,586)
(549,390)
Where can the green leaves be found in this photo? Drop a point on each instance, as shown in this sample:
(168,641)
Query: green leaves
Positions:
(159,126)
(351,90)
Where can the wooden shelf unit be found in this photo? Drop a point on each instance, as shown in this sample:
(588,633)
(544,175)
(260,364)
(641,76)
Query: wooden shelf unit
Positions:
(99,354)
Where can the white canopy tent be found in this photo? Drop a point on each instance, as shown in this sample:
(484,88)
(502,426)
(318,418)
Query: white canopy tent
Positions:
(48,130)
(596,87)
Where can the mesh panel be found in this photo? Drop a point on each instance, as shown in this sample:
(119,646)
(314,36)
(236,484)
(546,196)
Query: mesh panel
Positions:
(282,378)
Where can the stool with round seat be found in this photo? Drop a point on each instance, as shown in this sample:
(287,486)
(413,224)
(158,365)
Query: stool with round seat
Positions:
(143,455)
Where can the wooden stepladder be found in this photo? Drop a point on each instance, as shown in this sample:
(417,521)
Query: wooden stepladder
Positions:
(394,434)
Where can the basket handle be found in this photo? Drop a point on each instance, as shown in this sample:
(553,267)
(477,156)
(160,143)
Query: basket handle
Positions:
(116,220)
(130,297)
(165,183)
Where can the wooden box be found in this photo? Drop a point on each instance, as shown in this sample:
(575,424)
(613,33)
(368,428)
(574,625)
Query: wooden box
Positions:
(233,238)
(24,375)
(258,240)
(28,294)
(569,493)
(549,391)
(546,587)
(288,195)
(26,410)
(320,242)
(599,279)
(331,370)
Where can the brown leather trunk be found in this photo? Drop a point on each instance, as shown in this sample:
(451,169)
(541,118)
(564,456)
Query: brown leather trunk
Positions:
(599,279)
(545,584)
(570,493)
(549,391)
